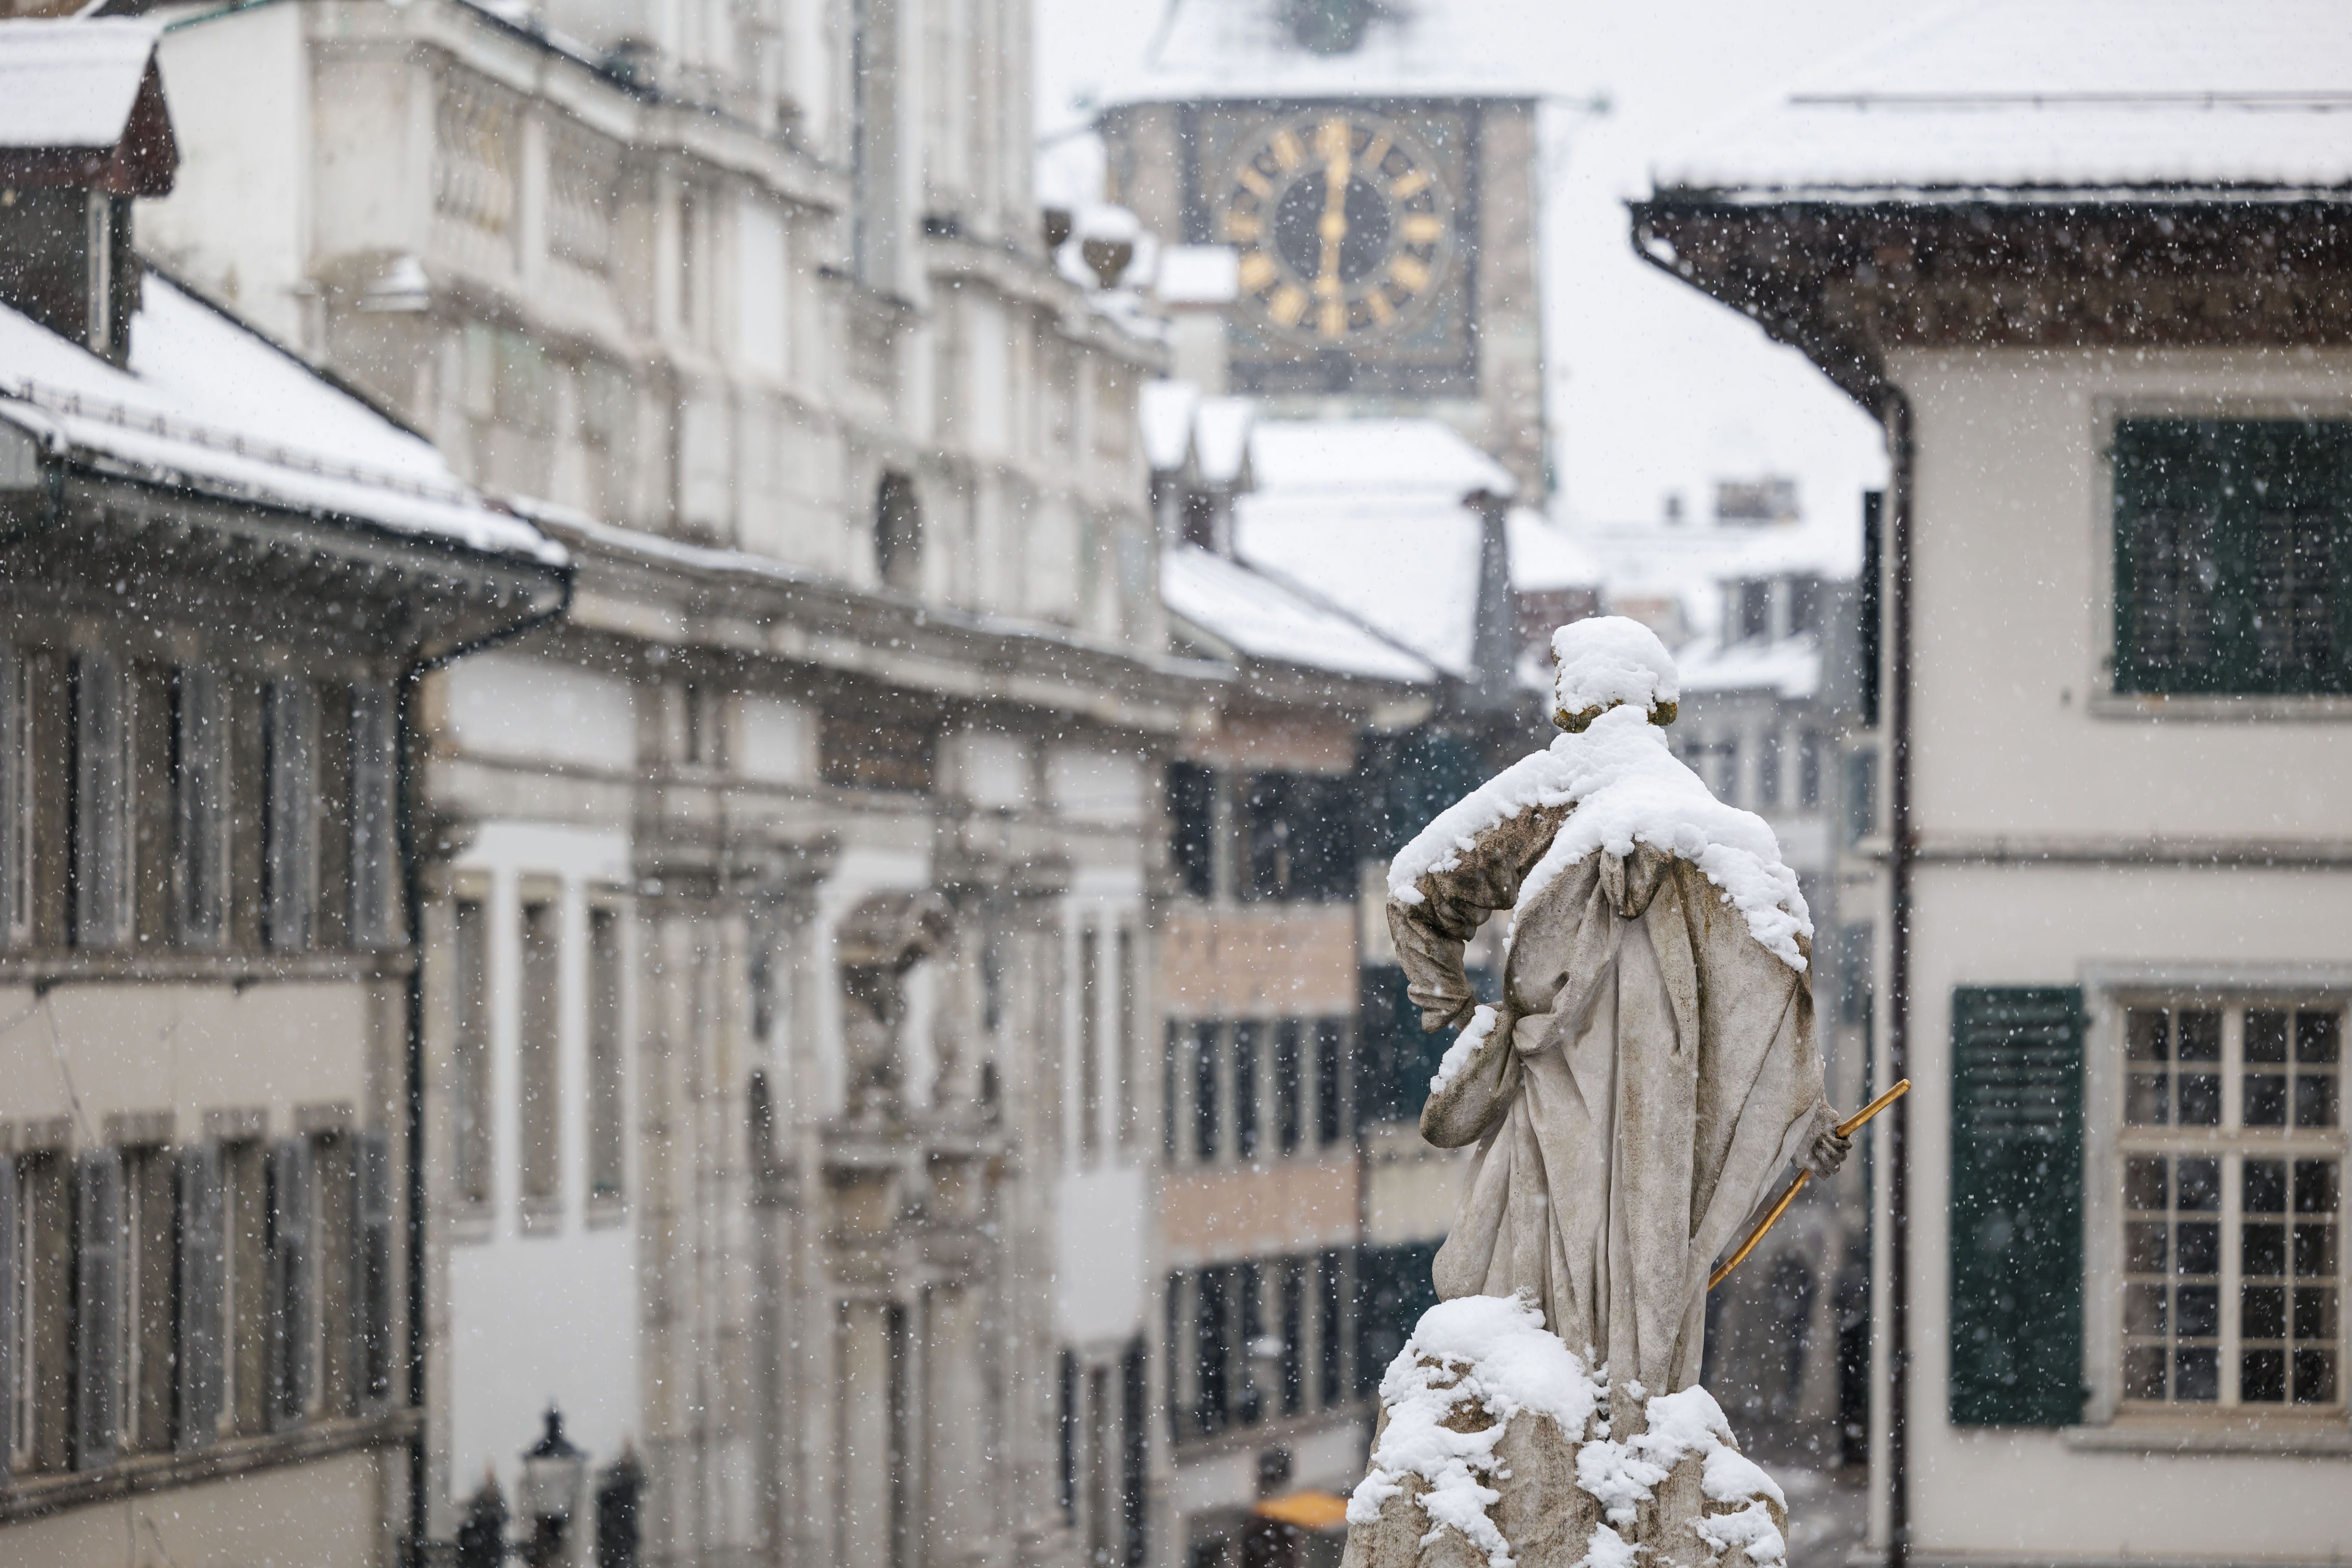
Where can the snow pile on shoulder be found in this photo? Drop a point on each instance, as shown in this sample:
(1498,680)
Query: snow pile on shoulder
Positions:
(1622,1475)
(1465,1046)
(1627,788)
(1488,1352)
(1608,659)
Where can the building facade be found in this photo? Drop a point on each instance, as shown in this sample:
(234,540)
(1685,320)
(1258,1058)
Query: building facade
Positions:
(226,580)
(786,972)
(2115,914)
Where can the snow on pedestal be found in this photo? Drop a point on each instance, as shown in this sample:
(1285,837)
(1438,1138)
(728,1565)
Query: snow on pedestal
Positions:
(1499,1448)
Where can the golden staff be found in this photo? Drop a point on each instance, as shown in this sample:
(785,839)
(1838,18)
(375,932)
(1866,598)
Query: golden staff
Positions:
(1844,1129)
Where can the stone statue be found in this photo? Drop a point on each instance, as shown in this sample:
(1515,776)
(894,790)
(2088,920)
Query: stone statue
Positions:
(1650,1066)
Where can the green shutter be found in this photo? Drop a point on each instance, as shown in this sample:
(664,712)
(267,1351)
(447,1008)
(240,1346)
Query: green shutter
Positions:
(2017,1206)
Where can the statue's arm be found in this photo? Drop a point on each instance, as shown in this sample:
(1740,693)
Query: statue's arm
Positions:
(1455,903)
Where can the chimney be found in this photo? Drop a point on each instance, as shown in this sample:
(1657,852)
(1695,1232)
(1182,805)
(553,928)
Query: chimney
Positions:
(83,130)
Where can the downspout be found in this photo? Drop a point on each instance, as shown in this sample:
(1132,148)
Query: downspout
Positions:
(1896,411)
(412,683)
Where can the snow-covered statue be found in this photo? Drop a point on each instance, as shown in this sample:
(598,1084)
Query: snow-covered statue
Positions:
(1650,1066)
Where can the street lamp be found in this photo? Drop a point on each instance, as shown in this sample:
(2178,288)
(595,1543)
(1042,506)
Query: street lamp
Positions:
(553,1471)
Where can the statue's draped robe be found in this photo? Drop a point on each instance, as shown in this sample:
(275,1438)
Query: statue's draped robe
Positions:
(1653,1068)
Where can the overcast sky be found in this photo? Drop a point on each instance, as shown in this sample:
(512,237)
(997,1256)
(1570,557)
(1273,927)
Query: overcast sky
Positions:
(1655,388)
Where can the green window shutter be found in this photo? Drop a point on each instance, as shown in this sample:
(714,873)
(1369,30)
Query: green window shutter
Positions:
(2017,1206)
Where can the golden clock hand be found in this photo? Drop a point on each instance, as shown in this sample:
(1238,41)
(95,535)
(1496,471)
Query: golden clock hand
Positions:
(1333,228)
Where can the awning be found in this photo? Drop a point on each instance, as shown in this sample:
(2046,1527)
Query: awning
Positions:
(1307,1510)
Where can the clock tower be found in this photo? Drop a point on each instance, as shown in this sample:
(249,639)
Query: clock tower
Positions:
(1377,180)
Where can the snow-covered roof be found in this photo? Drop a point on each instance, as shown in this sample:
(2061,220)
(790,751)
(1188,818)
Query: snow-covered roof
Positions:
(1270,620)
(1254,49)
(71,83)
(2023,96)
(1405,565)
(1198,275)
(1385,457)
(1544,557)
(211,405)
(1788,668)
(1165,410)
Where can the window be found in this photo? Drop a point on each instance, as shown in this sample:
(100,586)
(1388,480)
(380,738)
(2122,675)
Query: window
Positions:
(1805,605)
(1808,769)
(1768,768)
(15,801)
(246,1306)
(289,805)
(38,1314)
(374,859)
(1090,1044)
(1191,803)
(606,1137)
(1249,1040)
(100,846)
(1860,796)
(867,751)
(470,1048)
(1331,1081)
(1205,1118)
(1125,1085)
(2233,1177)
(1716,763)
(200,806)
(1754,610)
(147,1326)
(537,1054)
(1288,1087)
(899,533)
(2227,539)
(1301,837)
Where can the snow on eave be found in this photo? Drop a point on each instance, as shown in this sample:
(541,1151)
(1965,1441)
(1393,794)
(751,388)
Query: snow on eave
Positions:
(1268,618)
(70,81)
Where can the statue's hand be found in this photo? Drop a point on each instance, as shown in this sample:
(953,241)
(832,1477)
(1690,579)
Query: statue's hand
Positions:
(1434,1021)
(1827,1153)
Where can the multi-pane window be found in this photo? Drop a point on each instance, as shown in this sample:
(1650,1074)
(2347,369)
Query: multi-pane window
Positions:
(16,801)
(2228,535)
(1090,1051)
(2232,1154)
(1257,1087)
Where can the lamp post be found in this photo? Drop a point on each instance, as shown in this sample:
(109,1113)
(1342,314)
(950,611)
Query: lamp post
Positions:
(552,1473)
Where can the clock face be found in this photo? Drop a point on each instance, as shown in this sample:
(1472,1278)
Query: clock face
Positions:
(1344,228)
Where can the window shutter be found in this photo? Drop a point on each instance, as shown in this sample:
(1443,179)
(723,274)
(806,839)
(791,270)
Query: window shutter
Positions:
(102,804)
(203,1253)
(16,806)
(9,1287)
(98,1229)
(291,1306)
(201,807)
(290,864)
(373,860)
(2017,1206)
(371,1288)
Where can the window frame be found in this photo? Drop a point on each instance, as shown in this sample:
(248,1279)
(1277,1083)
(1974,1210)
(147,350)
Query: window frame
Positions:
(2111,991)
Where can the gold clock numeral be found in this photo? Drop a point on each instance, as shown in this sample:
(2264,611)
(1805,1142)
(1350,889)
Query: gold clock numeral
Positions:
(1332,140)
(1375,156)
(1289,303)
(1257,271)
(1410,184)
(1376,302)
(1332,320)
(1410,271)
(1421,228)
(1245,226)
(1255,182)
(1287,152)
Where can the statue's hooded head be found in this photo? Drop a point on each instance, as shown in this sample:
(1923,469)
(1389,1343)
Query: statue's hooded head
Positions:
(1605,662)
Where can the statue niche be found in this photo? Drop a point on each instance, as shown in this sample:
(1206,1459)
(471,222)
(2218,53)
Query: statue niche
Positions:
(886,948)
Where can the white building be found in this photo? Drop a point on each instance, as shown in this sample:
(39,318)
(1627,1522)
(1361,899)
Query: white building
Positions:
(2084,264)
